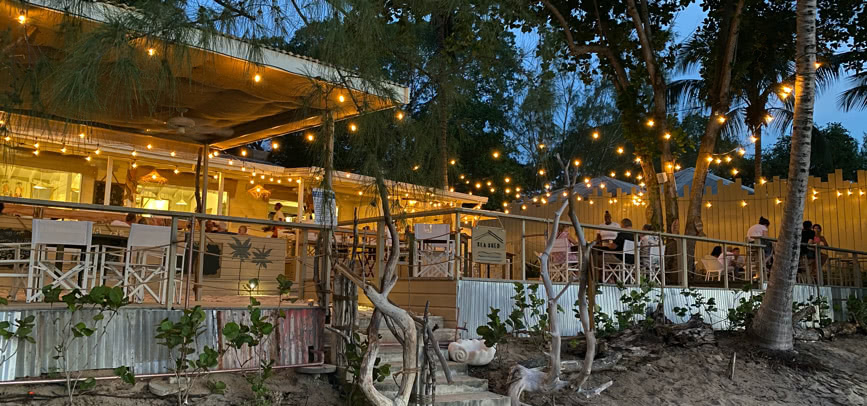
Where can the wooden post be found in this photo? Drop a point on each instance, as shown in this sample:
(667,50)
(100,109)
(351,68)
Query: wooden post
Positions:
(200,271)
(300,200)
(636,261)
(172,264)
(684,265)
(457,261)
(109,177)
(220,188)
(725,266)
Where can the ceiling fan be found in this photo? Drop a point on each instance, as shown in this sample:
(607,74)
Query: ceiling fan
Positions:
(194,127)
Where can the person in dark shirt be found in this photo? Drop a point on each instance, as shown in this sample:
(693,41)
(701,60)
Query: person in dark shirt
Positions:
(623,236)
(807,236)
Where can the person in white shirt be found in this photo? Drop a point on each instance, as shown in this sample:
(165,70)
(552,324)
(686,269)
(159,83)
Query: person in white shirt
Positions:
(759,231)
(733,259)
(605,235)
(130,219)
(278,213)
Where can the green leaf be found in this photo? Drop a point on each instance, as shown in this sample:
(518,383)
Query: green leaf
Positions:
(87,384)
(98,317)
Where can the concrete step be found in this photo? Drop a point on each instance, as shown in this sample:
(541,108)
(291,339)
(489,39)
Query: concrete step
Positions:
(472,399)
(394,355)
(457,369)
(461,384)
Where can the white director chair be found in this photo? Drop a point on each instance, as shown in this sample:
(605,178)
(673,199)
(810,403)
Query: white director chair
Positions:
(148,264)
(434,251)
(71,269)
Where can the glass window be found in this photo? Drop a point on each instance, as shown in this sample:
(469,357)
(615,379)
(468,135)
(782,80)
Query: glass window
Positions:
(38,183)
(175,198)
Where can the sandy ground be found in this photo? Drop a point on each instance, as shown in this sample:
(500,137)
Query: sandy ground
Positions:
(288,388)
(822,373)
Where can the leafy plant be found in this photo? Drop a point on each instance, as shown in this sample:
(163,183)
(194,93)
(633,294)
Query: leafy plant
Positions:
(699,304)
(495,330)
(857,310)
(636,302)
(181,339)
(741,316)
(104,301)
(822,306)
(354,353)
(17,332)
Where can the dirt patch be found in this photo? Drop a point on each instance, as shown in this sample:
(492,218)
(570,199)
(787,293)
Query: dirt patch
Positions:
(651,373)
(288,387)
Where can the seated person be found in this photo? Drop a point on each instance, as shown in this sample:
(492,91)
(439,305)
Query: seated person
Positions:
(605,236)
(126,222)
(734,260)
(646,243)
(619,241)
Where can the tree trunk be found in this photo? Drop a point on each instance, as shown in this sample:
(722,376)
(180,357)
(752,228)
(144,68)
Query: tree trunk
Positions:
(772,327)
(654,200)
(444,150)
(720,100)
(757,132)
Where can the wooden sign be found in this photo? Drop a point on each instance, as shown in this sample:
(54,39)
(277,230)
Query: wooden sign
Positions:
(489,245)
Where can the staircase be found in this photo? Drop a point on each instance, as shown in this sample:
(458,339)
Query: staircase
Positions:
(464,391)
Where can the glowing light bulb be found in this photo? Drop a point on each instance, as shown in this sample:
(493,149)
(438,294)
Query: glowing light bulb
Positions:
(243,152)
(595,135)
(310,137)
(257,78)
(36,145)
(353,127)
(541,171)
(274,145)
(762,181)
(7,138)
(709,159)
(63,149)
(134,164)
(839,193)
(817,64)
(677,167)
(452,162)
(650,123)
(36,152)
(721,119)
(488,183)
(507,180)
(619,150)
(743,203)
(399,115)
(667,136)
(134,153)
(718,161)
(173,153)
(415,168)
(478,185)
(777,201)
(154,176)
(462,176)
(87,158)
(741,151)
(523,207)
(22,19)
(495,154)
(734,171)
(769,118)
(176,171)
(728,158)
(638,159)
(576,162)
(80,135)
(150,146)
(541,146)
(613,174)
(628,174)
(341,98)
(152,52)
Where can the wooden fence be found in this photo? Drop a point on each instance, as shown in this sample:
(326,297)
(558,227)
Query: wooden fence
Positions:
(838,205)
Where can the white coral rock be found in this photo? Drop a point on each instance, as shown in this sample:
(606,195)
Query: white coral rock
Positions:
(472,352)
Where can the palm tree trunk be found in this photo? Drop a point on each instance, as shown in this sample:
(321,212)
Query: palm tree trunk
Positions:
(772,327)
(757,132)
(444,150)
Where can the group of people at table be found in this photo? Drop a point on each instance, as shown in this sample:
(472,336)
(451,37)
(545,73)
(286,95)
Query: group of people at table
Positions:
(614,241)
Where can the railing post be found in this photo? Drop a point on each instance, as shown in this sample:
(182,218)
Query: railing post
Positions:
(661,251)
(524,250)
(172,264)
(684,266)
(725,266)
(109,177)
(819,279)
(761,252)
(457,261)
(636,260)
(858,277)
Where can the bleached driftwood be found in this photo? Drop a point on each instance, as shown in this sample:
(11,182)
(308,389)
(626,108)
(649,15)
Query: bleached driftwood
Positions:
(400,318)
(472,352)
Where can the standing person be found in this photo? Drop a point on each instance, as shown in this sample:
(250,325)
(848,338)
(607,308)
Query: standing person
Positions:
(605,237)
(755,235)
(818,238)
(278,213)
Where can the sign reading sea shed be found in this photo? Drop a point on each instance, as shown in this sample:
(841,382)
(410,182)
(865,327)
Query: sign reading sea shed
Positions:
(489,245)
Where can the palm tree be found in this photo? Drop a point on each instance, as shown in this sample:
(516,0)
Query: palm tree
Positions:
(772,326)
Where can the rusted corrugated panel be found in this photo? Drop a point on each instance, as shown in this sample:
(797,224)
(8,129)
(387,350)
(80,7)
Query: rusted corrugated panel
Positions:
(300,336)
(247,357)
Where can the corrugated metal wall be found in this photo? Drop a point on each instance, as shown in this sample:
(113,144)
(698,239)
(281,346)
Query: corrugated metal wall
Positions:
(477,297)
(128,339)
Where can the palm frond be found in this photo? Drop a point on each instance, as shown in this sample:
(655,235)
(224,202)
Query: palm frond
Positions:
(854,98)
(685,93)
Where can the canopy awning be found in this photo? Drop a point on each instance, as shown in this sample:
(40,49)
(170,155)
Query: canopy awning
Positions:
(220,96)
